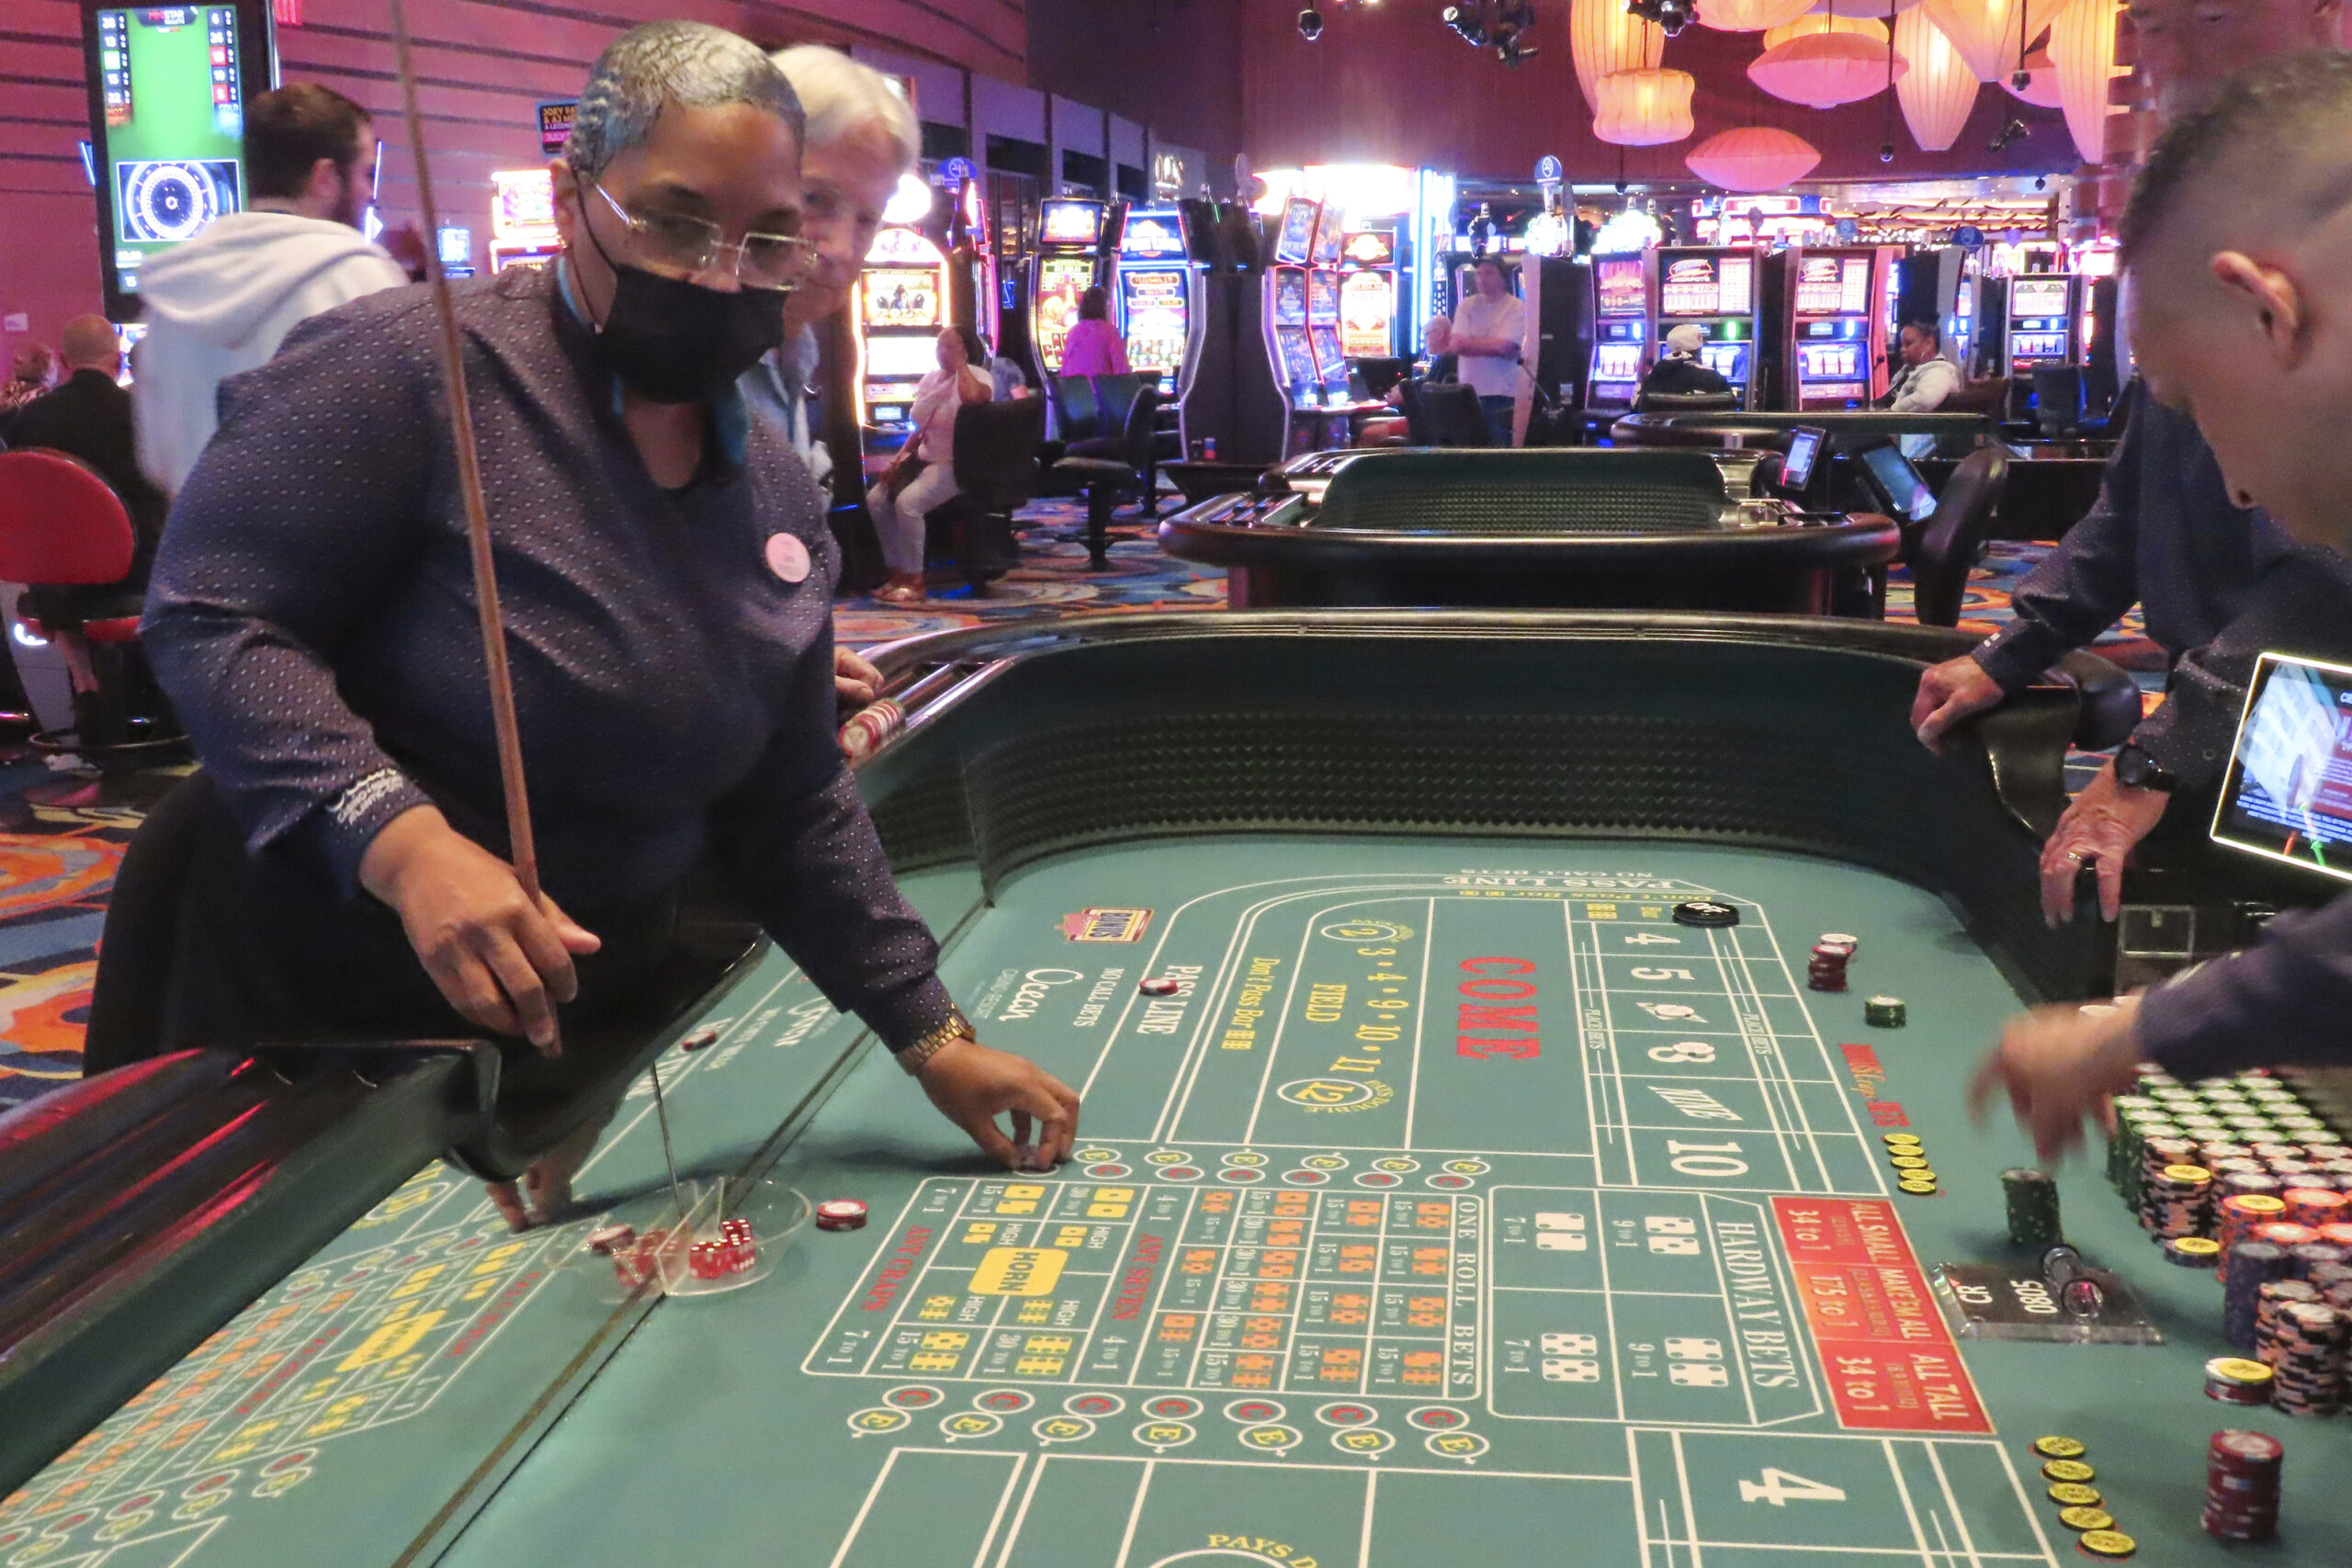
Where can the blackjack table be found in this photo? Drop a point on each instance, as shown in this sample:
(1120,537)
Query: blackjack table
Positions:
(1470,1171)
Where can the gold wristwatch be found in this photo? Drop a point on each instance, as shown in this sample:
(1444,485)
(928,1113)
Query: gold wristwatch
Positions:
(957,1027)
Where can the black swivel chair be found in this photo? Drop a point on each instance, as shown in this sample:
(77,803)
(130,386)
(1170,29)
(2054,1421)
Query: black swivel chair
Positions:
(1685,403)
(1409,394)
(1104,472)
(1954,537)
(1454,417)
(996,472)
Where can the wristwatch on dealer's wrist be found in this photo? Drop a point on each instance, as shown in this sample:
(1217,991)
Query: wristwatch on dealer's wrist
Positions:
(2134,769)
(957,1027)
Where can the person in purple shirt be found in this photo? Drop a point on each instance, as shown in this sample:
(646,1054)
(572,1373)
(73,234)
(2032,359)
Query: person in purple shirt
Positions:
(666,574)
(2238,250)
(1094,346)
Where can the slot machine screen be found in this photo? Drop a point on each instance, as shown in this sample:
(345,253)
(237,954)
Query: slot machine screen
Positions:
(901,355)
(168,86)
(1622,288)
(1820,286)
(1368,312)
(1063,223)
(1327,240)
(1333,364)
(900,297)
(2037,297)
(1157,314)
(1322,296)
(1298,360)
(1617,362)
(1061,280)
(1297,232)
(1854,286)
(1728,360)
(2288,795)
(1289,299)
(1829,361)
(1689,287)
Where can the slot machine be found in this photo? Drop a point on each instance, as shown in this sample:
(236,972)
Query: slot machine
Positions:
(1070,242)
(1368,293)
(1833,348)
(1156,291)
(2044,322)
(1621,287)
(1323,310)
(899,306)
(1290,350)
(1716,290)
(1941,285)
(522,220)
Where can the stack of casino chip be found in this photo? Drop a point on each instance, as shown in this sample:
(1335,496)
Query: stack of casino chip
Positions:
(2314,1206)
(2239,1214)
(2272,1297)
(840,1214)
(2192,1251)
(1827,969)
(2080,1507)
(2241,1470)
(2308,1359)
(2155,1156)
(2236,1380)
(2304,1262)
(2032,1201)
(2176,1202)
(1885,1013)
(1907,1153)
(2245,1269)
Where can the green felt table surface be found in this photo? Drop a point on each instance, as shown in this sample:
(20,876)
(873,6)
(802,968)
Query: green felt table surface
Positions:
(1459,1206)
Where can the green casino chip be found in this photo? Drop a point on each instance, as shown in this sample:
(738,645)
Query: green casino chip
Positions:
(1884,1012)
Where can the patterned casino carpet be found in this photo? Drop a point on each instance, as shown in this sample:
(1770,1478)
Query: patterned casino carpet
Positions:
(58,858)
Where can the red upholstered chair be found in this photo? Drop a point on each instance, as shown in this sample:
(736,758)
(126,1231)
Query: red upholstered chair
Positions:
(63,527)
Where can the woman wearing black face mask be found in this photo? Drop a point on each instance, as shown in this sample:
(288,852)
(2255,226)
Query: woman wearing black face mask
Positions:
(666,579)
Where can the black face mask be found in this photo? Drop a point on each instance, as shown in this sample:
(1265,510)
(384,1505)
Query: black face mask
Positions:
(676,341)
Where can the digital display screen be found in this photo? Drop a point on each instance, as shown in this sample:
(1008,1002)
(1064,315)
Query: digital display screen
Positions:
(1829,361)
(1289,299)
(1617,362)
(1323,297)
(2027,347)
(1157,306)
(1063,223)
(2037,297)
(1327,240)
(1804,446)
(170,82)
(901,355)
(1833,286)
(1899,483)
(899,297)
(1328,357)
(1621,289)
(1060,281)
(1297,232)
(1300,371)
(1707,286)
(1368,313)
(2289,791)
(1153,236)
(1728,360)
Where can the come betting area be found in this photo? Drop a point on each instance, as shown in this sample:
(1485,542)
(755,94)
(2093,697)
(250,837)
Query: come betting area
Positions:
(1420,1214)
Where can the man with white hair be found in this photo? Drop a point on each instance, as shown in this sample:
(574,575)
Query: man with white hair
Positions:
(862,140)
(667,579)
(1680,371)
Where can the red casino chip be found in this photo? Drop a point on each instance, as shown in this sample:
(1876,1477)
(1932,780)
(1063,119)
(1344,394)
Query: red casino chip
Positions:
(840,1214)
(1156,986)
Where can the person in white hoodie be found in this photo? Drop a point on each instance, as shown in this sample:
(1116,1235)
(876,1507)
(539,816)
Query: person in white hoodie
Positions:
(222,302)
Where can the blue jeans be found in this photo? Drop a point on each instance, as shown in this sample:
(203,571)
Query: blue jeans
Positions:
(1498,411)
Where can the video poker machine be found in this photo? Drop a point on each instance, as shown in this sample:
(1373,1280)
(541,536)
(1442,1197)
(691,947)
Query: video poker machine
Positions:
(1323,279)
(1833,337)
(522,220)
(1156,291)
(1622,290)
(1067,263)
(1716,290)
(2045,318)
(1290,323)
(1368,293)
(899,306)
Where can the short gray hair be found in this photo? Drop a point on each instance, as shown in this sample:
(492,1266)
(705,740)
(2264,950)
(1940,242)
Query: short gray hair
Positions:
(690,65)
(843,96)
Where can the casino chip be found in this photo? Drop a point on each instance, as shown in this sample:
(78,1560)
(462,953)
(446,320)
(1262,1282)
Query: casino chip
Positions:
(609,1239)
(2109,1546)
(1156,986)
(1903,1140)
(2073,1470)
(840,1214)
(2087,1518)
(1705,912)
(700,1039)
(2059,1447)
(1917,1188)
(1884,1012)
(1907,1162)
(2075,1494)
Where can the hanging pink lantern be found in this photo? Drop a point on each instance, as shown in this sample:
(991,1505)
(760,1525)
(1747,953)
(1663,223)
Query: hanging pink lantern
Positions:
(1644,108)
(1753,158)
(1992,34)
(2041,81)
(1749,15)
(1823,70)
(1939,90)
(1814,22)
(2082,43)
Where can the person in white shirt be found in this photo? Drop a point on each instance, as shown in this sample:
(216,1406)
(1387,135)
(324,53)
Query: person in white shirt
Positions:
(222,302)
(1489,328)
(923,473)
(1922,382)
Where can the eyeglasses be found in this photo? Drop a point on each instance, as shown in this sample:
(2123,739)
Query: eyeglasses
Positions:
(693,246)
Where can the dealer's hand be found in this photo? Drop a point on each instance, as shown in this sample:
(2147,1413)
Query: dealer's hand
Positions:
(2061,1063)
(854,677)
(2099,830)
(973,1085)
(498,959)
(1949,693)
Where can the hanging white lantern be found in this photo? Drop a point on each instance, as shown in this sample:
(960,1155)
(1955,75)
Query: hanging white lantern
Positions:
(1749,15)
(2081,45)
(1990,34)
(1939,90)
(1644,108)
(1817,22)
(2040,87)
(1753,158)
(1823,70)
(1603,39)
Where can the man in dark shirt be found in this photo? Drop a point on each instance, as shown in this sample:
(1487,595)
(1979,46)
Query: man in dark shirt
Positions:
(666,576)
(1682,372)
(2238,243)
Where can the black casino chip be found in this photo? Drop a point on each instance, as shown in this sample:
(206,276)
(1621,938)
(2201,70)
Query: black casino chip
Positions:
(1702,912)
